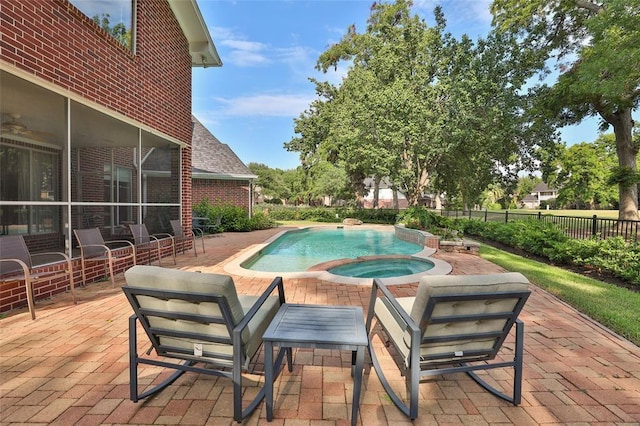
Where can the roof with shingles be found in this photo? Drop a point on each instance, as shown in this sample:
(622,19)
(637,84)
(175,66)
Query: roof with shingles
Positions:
(542,187)
(212,159)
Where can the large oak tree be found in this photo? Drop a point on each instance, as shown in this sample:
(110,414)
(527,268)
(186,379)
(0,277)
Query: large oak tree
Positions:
(595,46)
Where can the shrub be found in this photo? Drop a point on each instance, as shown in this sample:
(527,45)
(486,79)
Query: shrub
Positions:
(613,255)
(232,218)
(423,219)
(332,215)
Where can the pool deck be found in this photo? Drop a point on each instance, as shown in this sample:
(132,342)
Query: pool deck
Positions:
(70,365)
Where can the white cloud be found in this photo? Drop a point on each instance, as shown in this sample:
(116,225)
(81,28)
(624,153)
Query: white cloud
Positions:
(263,105)
(250,46)
(241,52)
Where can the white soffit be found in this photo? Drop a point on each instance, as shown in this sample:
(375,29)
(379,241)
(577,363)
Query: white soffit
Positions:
(203,51)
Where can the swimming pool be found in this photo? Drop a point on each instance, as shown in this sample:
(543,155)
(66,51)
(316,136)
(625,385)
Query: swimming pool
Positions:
(299,250)
(320,268)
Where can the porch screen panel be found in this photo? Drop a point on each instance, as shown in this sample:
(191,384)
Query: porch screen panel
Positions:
(160,175)
(29,173)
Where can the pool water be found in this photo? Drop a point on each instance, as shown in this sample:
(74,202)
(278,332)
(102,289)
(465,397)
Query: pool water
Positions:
(382,268)
(298,250)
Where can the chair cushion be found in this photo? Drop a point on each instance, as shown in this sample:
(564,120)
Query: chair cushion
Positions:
(452,284)
(154,277)
(432,285)
(258,323)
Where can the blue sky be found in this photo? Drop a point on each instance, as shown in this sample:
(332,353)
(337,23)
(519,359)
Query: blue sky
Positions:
(269,50)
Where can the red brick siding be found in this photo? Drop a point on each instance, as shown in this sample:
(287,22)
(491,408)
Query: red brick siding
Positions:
(13,293)
(44,242)
(187,190)
(221,191)
(58,43)
(54,41)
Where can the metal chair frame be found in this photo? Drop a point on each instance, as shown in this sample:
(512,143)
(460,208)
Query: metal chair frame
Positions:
(93,248)
(180,236)
(450,362)
(220,368)
(147,242)
(16,264)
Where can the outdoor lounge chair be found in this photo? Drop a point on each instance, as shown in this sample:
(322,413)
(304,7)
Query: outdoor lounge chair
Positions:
(16,264)
(455,323)
(203,225)
(179,236)
(198,318)
(149,243)
(93,248)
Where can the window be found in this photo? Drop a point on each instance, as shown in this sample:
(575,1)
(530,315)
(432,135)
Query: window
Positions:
(114,16)
(28,173)
(117,189)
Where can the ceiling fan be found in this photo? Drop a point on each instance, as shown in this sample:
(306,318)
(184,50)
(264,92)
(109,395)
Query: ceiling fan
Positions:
(14,127)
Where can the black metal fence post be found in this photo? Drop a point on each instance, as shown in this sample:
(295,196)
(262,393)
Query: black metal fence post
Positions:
(594,225)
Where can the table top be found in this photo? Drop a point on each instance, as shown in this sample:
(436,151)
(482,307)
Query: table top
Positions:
(318,325)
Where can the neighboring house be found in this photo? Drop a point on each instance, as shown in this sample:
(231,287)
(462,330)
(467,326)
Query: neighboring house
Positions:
(385,195)
(217,173)
(96,124)
(540,193)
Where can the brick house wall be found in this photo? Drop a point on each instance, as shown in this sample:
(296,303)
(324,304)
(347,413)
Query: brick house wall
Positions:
(222,191)
(152,86)
(54,41)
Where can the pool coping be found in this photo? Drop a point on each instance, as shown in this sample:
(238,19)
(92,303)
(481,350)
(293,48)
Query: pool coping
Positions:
(440,267)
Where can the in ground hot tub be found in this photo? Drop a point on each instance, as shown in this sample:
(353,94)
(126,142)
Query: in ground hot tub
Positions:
(382,267)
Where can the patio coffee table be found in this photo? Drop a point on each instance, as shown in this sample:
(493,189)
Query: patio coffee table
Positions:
(316,326)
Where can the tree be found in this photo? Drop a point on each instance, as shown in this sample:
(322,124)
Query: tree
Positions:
(595,47)
(119,31)
(380,124)
(327,180)
(269,180)
(584,174)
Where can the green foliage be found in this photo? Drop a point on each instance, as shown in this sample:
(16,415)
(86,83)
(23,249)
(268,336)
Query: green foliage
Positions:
(317,214)
(612,255)
(595,47)
(423,219)
(333,215)
(418,106)
(119,31)
(232,218)
(532,235)
(582,174)
(624,176)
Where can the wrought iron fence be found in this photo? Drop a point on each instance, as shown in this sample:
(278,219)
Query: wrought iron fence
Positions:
(574,226)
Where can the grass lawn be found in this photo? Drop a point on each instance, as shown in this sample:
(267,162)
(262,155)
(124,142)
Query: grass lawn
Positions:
(614,307)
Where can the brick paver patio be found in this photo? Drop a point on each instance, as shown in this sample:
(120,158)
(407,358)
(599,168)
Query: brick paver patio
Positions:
(70,366)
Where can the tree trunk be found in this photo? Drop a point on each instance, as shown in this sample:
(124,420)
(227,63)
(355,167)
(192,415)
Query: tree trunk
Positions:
(622,128)
(376,191)
(438,201)
(396,202)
